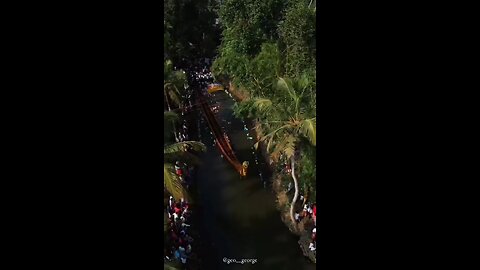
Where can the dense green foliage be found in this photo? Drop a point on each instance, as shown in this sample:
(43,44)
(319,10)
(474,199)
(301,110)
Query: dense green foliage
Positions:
(297,36)
(288,25)
(189,29)
(268,48)
(186,34)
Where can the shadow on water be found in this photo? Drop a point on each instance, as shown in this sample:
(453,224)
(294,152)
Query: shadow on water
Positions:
(238,216)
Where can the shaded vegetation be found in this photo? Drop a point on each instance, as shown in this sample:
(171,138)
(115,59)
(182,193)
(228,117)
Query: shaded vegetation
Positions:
(268,48)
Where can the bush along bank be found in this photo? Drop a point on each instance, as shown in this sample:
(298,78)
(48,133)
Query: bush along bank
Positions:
(267,54)
(305,208)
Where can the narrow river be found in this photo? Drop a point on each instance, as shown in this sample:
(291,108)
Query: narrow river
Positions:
(237,217)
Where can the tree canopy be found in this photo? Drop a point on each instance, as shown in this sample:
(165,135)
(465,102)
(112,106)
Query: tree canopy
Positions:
(268,48)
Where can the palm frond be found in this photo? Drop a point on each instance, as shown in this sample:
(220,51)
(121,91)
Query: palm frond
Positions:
(179,147)
(308,128)
(275,131)
(167,68)
(270,142)
(262,104)
(172,91)
(172,182)
(286,86)
(170,116)
(271,136)
(289,148)
(303,82)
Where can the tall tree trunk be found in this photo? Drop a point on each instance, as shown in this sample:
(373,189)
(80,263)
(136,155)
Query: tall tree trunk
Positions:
(166,98)
(175,132)
(169,109)
(295,197)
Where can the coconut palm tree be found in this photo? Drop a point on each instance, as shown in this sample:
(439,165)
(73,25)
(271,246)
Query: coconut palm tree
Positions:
(169,120)
(171,153)
(289,121)
(173,83)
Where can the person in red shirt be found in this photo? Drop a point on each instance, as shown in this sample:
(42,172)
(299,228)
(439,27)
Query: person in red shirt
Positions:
(178,169)
(177,209)
(315,214)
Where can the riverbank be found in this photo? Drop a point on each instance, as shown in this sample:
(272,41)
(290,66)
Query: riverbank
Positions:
(239,216)
(303,228)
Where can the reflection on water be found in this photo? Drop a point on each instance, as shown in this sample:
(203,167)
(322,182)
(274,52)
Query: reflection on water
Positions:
(238,216)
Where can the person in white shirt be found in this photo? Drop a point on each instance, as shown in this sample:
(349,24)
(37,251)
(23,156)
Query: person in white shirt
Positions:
(170,202)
